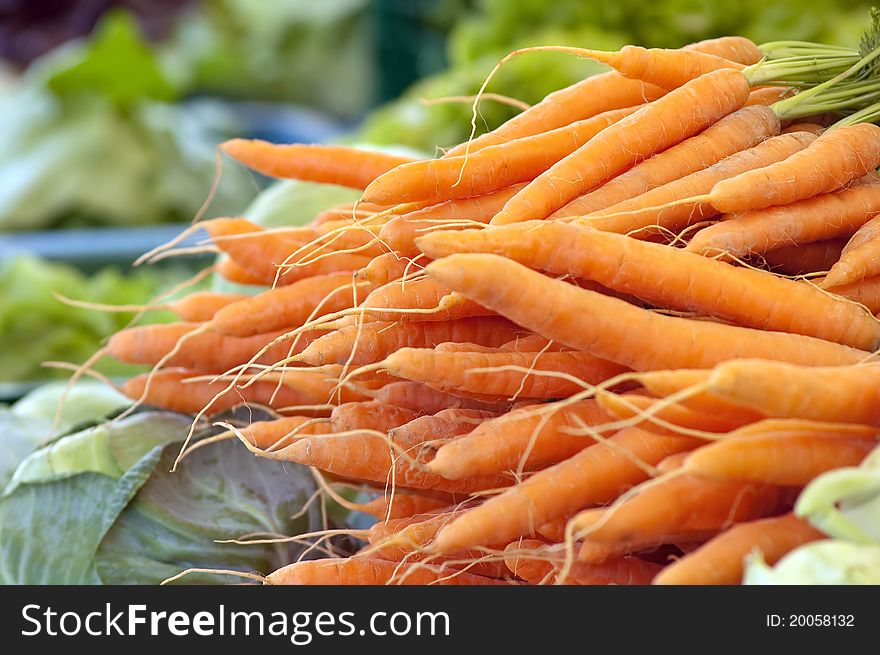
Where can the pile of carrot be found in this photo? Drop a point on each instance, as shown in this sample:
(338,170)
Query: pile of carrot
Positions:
(607,343)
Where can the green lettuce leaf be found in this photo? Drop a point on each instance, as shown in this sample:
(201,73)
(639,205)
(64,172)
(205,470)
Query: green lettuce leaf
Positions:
(19,436)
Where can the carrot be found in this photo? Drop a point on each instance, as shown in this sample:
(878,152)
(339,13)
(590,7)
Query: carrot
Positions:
(666,383)
(278,433)
(787,459)
(526,436)
(859,258)
(288,306)
(663,206)
(362,571)
(741,130)
(369,415)
(721,560)
(383,269)
(671,463)
(629,406)
(835,214)
(812,128)
(845,394)
(388,507)
(667,68)
(491,168)
(677,505)
(372,342)
(169,390)
(445,424)
(735,48)
(580,101)
(613,329)
(669,277)
(596,474)
(836,158)
(531,343)
(328,164)
(229,270)
(401,231)
(406,540)
(417,396)
(203,305)
(150,344)
(792,426)
(256,249)
(802,259)
(370,458)
(531,560)
(865,292)
(471,371)
(766,96)
(653,128)
(422,294)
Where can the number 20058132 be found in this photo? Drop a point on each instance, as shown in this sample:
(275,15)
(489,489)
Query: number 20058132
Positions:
(810,620)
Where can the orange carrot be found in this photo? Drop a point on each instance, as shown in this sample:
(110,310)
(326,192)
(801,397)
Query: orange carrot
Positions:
(815,219)
(787,459)
(654,128)
(530,559)
(629,406)
(579,101)
(445,424)
(741,130)
(610,328)
(812,128)
(666,383)
(372,342)
(670,277)
(524,435)
(845,394)
(287,307)
(229,270)
(169,390)
(362,571)
(721,560)
(491,168)
(149,344)
(419,295)
(369,415)
(667,68)
(859,259)
(417,396)
(258,250)
(370,458)
(203,305)
(865,292)
(663,206)
(329,164)
(388,507)
(381,270)
(835,159)
(596,474)
(278,433)
(766,96)
(802,259)
(470,371)
(678,505)
(401,231)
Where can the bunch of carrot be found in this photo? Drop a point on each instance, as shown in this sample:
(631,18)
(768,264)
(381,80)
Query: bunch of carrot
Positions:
(608,342)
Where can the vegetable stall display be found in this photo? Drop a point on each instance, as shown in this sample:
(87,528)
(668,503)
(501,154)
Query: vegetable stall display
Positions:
(623,392)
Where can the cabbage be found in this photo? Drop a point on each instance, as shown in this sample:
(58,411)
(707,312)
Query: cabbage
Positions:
(831,561)
(101,506)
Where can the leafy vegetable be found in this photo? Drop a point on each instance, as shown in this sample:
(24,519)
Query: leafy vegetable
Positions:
(122,517)
(87,139)
(830,561)
(35,326)
(87,401)
(117,64)
(19,436)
